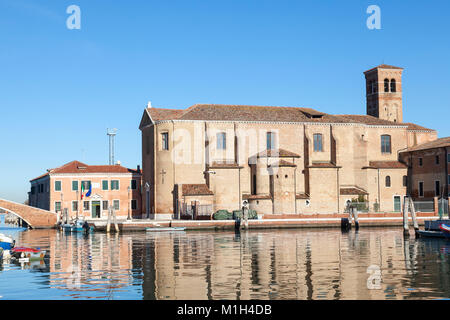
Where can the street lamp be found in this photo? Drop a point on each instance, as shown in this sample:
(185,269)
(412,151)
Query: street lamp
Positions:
(61,207)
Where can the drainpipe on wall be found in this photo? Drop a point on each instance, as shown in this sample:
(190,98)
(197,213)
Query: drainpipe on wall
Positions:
(295,186)
(338,191)
(446,172)
(379,195)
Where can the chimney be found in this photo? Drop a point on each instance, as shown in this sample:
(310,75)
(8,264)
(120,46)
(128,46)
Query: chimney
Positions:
(139,168)
(149,104)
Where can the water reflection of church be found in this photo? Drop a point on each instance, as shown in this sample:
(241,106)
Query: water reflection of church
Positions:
(256,265)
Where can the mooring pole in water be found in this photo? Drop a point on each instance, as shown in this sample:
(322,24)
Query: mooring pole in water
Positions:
(355,216)
(413,215)
(108,223)
(115,220)
(405,218)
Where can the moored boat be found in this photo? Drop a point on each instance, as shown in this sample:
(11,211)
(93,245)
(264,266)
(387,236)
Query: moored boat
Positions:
(165,229)
(445,230)
(30,253)
(77,226)
(435,229)
(7,243)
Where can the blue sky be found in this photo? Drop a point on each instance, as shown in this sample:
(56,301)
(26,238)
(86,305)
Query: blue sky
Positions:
(61,89)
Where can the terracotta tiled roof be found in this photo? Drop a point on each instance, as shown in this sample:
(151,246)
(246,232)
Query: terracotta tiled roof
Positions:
(386,165)
(220,112)
(323,165)
(40,177)
(277,153)
(366,119)
(282,163)
(413,126)
(159,114)
(196,190)
(77,167)
(353,191)
(438,143)
(383,66)
(255,196)
(224,165)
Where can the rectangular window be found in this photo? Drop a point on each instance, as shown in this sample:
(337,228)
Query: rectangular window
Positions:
(133,184)
(133,205)
(105,205)
(318,143)
(74,185)
(86,185)
(420,162)
(116,204)
(74,206)
(104,185)
(385,144)
(221,141)
(33,190)
(437,160)
(421,189)
(165,140)
(270,140)
(448,179)
(57,206)
(114,184)
(448,157)
(405,181)
(437,188)
(86,205)
(57,185)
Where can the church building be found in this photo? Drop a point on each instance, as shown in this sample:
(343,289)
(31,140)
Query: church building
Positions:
(282,160)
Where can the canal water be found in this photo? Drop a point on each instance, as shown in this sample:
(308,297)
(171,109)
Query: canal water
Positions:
(374,263)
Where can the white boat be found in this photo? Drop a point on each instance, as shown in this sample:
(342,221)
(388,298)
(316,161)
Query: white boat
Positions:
(7,243)
(165,229)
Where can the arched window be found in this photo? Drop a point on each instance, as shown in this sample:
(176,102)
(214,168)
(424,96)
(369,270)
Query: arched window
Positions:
(386,85)
(393,86)
(221,141)
(388,181)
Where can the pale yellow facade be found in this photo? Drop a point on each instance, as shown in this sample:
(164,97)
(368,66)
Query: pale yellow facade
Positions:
(182,149)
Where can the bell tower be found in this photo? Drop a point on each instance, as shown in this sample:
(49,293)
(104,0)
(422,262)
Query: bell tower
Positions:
(384,93)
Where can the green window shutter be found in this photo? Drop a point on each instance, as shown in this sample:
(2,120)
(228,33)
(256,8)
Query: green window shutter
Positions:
(74,185)
(57,185)
(105,185)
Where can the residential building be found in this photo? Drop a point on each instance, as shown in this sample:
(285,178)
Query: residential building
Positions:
(429,169)
(67,187)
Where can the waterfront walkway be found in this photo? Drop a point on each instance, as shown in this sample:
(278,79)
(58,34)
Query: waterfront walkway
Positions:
(270,222)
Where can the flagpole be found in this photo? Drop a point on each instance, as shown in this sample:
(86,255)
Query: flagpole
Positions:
(78,205)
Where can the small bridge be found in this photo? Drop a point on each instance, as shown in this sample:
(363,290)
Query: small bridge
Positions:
(34,217)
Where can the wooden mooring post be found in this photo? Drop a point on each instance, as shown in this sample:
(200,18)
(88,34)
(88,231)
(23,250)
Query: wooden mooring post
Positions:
(408,206)
(111,215)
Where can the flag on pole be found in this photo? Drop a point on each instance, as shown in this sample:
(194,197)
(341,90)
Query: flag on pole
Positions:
(88,194)
(82,190)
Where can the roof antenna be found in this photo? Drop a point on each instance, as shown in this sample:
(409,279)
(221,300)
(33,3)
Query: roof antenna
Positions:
(111,133)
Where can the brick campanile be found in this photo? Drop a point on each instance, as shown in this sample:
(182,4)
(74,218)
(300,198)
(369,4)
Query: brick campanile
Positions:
(384,93)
